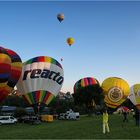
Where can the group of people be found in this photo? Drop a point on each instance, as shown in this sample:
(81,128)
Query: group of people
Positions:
(106,128)
(136,115)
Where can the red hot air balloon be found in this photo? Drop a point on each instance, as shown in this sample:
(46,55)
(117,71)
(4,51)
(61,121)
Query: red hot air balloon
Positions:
(10,71)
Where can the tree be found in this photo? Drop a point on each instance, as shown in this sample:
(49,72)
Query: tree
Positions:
(61,105)
(14,100)
(90,96)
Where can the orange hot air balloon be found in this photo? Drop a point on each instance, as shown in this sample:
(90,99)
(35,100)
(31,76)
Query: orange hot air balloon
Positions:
(70,41)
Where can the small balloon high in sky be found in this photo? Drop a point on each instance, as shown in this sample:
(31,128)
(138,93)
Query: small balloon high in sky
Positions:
(70,41)
(60,17)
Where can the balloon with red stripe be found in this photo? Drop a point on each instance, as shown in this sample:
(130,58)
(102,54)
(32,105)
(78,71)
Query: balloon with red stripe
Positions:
(10,71)
(115,90)
(85,82)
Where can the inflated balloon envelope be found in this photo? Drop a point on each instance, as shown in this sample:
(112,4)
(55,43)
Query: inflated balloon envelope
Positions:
(116,90)
(70,41)
(134,95)
(41,80)
(10,71)
(60,17)
(84,82)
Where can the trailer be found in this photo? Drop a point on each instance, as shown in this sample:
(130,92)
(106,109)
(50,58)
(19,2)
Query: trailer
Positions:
(69,115)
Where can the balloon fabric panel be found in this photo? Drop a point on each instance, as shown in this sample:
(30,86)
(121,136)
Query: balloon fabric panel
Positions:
(16,67)
(10,71)
(84,82)
(38,97)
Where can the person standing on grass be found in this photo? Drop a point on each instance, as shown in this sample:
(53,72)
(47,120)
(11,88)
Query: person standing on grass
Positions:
(125,115)
(105,122)
(137,117)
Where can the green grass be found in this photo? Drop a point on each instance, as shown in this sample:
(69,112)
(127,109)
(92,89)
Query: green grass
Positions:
(85,128)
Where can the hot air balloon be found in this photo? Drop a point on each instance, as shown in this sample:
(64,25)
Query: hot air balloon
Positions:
(70,41)
(134,95)
(116,90)
(84,82)
(41,80)
(10,71)
(60,17)
(61,59)
(85,92)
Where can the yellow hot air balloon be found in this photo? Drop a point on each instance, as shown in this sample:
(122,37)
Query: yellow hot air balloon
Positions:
(134,95)
(116,90)
(70,41)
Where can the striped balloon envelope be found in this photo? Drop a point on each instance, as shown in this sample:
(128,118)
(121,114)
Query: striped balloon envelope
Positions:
(115,90)
(85,82)
(10,71)
(41,80)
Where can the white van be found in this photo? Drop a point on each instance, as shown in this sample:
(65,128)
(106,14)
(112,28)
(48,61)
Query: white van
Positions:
(7,120)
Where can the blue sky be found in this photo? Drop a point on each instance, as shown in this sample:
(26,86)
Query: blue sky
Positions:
(107,36)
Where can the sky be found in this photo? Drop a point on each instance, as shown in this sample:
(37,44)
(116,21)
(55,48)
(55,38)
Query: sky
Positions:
(106,33)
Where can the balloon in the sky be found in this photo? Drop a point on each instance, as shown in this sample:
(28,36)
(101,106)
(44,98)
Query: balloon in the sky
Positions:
(61,59)
(60,17)
(85,82)
(116,90)
(134,95)
(10,71)
(41,80)
(70,41)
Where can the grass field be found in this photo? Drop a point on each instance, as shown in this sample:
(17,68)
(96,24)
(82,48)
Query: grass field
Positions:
(85,128)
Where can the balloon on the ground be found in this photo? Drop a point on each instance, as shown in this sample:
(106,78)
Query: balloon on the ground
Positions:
(85,82)
(115,90)
(10,71)
(70,41)
(134,95)
(60,17)
(41,80)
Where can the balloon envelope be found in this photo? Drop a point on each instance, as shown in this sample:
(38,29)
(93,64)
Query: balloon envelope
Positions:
(116,90)
(70,41)
(10,71)
(84,82)
(60,17)
(41,80)
(134,95)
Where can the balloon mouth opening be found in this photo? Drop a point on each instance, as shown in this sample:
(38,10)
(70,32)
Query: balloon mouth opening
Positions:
(38,107)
